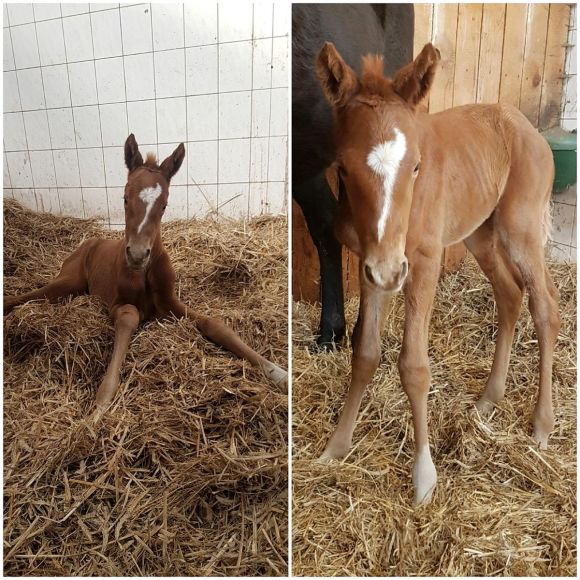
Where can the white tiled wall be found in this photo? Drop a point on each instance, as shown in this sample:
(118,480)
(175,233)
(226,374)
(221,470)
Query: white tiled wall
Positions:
(569,98)
(78,78)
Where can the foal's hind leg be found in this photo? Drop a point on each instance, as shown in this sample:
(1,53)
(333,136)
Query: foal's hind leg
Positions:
(224,336)
(525,245)
(508,291)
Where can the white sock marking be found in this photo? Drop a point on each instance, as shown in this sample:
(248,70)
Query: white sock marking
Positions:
(424,475)
(385,160)
(149,196)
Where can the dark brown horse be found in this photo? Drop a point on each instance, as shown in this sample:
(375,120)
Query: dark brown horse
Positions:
(410,184)
(134,276)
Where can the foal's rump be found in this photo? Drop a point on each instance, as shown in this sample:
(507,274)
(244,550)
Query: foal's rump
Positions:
(524,207)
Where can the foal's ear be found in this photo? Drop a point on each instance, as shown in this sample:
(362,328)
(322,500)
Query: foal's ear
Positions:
(171,165)
(133,158)
(338,80)
(413,81)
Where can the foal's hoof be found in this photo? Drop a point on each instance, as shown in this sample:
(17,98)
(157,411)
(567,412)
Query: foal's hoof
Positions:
(541,439)
(9,304)
(484,406)
(277,375)
(333,451)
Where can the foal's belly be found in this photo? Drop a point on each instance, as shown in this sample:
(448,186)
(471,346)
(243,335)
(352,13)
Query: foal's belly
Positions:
(466,212)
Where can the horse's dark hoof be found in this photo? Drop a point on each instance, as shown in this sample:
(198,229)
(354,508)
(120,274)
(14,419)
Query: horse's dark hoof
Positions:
(328,342)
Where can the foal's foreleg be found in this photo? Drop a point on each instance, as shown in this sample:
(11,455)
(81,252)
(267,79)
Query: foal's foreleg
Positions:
(126,319)
(414,366)
(224,336)
(365,360)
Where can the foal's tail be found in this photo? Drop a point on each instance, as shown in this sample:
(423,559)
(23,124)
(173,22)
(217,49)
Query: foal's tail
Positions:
(547,222)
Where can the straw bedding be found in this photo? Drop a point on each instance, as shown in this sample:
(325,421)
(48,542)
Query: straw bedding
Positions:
(186,474)
(501,507)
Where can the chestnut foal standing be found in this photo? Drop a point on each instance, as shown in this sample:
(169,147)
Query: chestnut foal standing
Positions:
(134,276)
(410,184)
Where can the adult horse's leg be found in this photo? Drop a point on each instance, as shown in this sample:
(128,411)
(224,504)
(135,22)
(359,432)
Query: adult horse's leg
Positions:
(414,363)
(319,207)
(365,360)
(70,281)
(224,336)
(126,319)
(508,289)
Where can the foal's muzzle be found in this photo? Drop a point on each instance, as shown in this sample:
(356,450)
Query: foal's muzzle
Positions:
(137,256)
(386,275)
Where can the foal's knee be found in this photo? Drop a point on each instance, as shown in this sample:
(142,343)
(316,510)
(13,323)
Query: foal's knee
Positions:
(127,316)
(414,372)
(365,361)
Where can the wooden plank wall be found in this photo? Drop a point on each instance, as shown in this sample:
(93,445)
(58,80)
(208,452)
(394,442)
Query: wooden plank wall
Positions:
(512,53)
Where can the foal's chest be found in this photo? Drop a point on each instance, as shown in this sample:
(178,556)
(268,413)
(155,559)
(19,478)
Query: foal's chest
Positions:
(134,289)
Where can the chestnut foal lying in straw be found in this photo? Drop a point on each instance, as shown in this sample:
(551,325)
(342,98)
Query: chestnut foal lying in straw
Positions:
(134,276)
(410,184)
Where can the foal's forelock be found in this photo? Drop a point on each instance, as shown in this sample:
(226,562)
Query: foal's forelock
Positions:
(385,160)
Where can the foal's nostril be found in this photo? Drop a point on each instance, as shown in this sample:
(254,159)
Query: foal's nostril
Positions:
(369,274)
(404,269)
(147,253)
(128,250)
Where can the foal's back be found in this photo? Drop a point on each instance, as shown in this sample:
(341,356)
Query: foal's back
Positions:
(482,158)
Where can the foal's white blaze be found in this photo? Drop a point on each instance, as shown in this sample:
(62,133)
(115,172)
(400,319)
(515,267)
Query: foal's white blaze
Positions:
(385,160)
(148,196)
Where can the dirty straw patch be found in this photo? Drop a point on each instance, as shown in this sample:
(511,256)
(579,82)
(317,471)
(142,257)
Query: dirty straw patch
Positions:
(501,507)
(187,472)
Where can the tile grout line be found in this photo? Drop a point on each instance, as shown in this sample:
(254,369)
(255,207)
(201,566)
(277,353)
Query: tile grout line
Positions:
(266,202)
(187,212)
(100,120)
(46,115)
(217,192)
(136,100)
(18,91)
(275,136)
(249,196)
(154,80)
(27,153)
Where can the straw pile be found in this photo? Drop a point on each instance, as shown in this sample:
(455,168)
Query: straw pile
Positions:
(187,472)
(501,508)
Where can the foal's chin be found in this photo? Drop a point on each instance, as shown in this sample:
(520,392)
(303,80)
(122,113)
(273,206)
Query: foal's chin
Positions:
(140,267)
(387,290)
